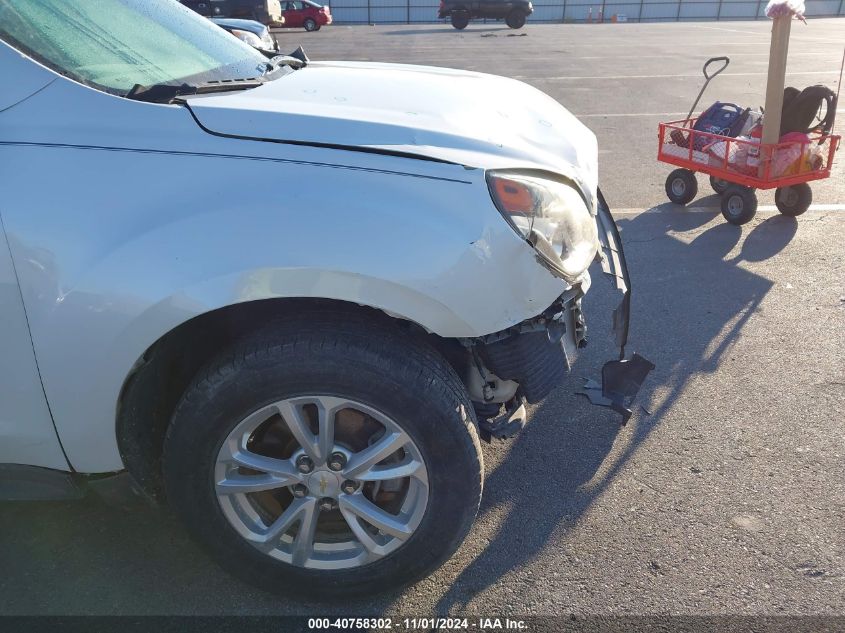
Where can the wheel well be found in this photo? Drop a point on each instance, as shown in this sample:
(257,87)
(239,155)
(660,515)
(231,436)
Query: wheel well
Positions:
(154,386)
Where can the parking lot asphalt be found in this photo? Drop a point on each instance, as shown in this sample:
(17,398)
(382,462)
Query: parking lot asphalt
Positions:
(725,493)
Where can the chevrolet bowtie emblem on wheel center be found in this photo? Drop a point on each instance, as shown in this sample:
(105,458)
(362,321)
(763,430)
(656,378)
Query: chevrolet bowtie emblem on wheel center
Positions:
(322,483)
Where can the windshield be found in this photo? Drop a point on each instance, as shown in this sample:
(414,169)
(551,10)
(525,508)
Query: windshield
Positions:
(115,44)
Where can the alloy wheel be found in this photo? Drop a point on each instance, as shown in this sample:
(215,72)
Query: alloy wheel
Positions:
(321,482)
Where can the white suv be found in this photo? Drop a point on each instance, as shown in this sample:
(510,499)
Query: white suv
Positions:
(283,297)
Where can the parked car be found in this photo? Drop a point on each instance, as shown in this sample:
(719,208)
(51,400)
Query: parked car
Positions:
(302,378)
(306,14)
(267,12)
(253,33)
(460,12)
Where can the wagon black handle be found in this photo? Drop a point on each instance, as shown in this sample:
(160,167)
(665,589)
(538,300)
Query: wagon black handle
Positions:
(715,59)
(707,79)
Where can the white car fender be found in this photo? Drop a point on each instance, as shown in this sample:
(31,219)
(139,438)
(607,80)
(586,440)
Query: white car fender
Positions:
(151,222)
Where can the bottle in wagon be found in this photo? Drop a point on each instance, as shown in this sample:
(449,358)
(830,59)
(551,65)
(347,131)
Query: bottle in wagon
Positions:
(753,157)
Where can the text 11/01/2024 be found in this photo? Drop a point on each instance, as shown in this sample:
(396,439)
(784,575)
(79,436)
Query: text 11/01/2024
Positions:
(417,624)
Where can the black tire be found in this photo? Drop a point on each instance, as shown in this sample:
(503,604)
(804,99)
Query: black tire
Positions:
(739,205)
(460,19)
(348,355)
(794,200)
(311,25)
(719,185)
(515,19)
(681,186)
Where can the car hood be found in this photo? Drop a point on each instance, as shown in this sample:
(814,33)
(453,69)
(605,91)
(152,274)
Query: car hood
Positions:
(462,117)
(245,25)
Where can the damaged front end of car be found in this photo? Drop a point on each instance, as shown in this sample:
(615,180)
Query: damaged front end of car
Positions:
(621,379)
(526,361)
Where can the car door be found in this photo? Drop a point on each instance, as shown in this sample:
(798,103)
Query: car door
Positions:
(495,8)
(27,435)
(293,13)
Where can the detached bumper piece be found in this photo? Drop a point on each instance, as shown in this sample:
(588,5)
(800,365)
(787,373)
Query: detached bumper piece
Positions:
(620,379)
(620,382)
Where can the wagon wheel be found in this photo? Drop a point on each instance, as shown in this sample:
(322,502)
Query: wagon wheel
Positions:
(794,200)
(681,186)
(739,204)
(719,185)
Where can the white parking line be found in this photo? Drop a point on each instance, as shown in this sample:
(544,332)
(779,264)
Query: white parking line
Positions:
(763,208)
(724,47)
(622,55)
(722,28)
(694,75)
(665,115)
(630,114)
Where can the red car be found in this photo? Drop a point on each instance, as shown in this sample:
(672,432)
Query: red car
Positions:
(305,14)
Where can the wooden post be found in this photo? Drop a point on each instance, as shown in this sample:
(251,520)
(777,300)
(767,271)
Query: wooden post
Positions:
(775,85)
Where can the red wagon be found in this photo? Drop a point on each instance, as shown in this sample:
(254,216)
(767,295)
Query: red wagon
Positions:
(737,167)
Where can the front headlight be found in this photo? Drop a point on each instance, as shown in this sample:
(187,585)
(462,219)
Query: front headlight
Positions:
(267,42)
(552,216)
(250,38)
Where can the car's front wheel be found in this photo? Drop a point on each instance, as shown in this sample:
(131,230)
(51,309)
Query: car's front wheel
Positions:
(326,457)
(515,19)
(460,19)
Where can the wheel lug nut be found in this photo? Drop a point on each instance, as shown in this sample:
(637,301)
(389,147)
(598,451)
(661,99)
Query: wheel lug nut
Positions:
(326,504)
(349,486)
(304,464)
(300,490)
(337,461)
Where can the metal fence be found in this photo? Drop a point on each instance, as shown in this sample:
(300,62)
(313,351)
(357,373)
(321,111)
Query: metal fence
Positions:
(421,11)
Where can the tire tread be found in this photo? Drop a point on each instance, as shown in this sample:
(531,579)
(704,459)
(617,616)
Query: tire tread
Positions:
(320,332)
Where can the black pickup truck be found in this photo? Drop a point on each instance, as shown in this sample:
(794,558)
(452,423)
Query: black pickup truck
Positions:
(267,12)
(513,12)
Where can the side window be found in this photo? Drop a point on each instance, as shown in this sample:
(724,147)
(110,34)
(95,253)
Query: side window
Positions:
(293,6)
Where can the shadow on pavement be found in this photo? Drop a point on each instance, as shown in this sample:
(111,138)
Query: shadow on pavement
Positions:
(691,300)
(690,304)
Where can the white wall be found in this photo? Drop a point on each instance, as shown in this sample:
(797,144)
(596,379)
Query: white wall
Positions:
(418,11)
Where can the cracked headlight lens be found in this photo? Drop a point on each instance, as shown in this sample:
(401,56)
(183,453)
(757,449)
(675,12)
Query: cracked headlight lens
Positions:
(552,216)
(246,36)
